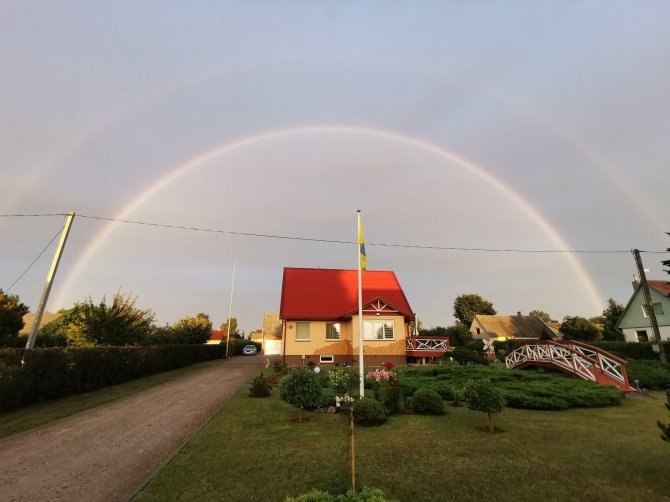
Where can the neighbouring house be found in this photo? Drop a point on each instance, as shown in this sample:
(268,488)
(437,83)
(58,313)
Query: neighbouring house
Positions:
(217,336)
(635,321)
(272,334)
(511,327)
(256,336)
(29,319)
(320,322)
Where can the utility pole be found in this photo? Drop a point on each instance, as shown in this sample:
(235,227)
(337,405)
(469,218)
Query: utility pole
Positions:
(649,303)
(47,286)
(230,311)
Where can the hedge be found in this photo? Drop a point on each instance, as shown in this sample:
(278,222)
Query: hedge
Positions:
(31,376)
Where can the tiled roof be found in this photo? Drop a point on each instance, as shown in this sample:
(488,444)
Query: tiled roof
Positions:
(662,287)
(218,334)
(323,294)
(514,326)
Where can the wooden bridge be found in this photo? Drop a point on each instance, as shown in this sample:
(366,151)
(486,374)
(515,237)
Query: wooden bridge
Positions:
(572,357)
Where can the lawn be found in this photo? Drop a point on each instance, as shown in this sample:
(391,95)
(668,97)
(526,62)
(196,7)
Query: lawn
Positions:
(252,450)
(13,422)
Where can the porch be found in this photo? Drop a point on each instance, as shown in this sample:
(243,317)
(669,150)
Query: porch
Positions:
(427,346)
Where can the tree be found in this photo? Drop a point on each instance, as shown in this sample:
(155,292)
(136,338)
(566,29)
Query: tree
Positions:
(11,315)
(665,428)
(301,387)
(579,328)
(482,395)
(542,315)
(196,329)
(611,316)
(469,305)
(233,326)
(118,323)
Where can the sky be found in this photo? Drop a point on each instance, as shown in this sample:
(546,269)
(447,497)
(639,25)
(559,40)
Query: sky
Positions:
(473,125)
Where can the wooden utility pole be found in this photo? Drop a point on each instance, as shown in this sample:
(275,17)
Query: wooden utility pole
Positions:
(230,311)
(649,303)
(47,286)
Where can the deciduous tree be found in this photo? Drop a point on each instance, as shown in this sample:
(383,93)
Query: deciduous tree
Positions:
(579,328)
(468,305)
(11,315)
(611,316)
(542,315)
(482,395)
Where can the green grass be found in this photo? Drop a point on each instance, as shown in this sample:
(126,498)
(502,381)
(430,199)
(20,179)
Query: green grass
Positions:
(13,422)
(252,451)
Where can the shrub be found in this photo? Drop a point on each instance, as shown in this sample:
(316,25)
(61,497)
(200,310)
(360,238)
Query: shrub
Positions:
(31,376)
(368,411)
(278,366)
(465,356)
(328,396)
(259,387)
(301,387)
(344,379)
(633,350)
(482,395)
(427,401)
(650,374)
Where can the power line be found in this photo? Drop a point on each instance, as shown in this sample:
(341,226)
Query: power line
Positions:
(35,260)
(335,241)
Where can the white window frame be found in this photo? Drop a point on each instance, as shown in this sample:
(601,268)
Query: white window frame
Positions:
(327,359)
(373,325)
(660,307)
(309,330)
(339,332)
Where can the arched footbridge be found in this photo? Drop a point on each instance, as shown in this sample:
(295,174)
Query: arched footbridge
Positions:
(572,357)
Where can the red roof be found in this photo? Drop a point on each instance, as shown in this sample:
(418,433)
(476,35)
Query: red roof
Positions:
(324,294)
(662,287)
(218,334)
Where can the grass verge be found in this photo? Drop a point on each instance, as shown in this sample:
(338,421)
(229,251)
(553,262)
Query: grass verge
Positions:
(253,450)
(15,421)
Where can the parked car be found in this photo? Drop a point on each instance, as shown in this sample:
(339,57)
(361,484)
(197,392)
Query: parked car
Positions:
(249,350)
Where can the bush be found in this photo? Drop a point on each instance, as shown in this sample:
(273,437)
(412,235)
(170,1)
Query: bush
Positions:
(650,374)
(482,395)
(328,396)
(31,376)
(278,366)
(259,387)
(301,387)
(368,411)
(465,356)
(427,401)
(633,350)
(366,494)
(344,379)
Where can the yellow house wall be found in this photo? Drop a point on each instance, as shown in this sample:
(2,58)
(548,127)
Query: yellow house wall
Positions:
(348,343)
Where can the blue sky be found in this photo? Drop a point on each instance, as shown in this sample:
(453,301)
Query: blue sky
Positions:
(526,125)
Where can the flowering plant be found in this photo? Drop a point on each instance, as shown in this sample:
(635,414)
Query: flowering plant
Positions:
(379,375)
(346,399)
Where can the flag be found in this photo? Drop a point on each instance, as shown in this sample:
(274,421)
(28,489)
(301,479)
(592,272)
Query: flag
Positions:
(361,244)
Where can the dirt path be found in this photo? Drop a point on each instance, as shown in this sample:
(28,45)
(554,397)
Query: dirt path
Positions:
(110,452)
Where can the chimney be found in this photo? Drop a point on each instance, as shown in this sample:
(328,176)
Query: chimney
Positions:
(519,313)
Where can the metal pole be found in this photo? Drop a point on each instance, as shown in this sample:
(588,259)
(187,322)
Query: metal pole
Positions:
(230,310)
(650,305)
(47,286)
(361,366)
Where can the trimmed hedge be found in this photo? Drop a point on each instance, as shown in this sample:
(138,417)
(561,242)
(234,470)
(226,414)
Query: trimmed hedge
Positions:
(633,350)
(32,376)
(650,374)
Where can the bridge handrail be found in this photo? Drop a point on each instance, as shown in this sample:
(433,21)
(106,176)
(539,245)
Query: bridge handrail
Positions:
(599,350)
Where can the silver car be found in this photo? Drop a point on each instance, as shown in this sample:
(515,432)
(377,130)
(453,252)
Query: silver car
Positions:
(249,350)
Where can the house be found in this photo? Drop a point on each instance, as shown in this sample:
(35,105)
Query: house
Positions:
(256,336)
(217,336)
(272,331)
(635,321)
(510,327)
(320,322)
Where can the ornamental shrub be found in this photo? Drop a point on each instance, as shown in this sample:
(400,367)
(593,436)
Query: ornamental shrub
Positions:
(427,401)
(343,379)
(482,395)
(465,356)
(328,396)
(301,387)
(368,411)
(259,387)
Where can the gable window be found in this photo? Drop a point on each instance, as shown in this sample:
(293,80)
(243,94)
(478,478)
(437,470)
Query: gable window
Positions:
(479,331)
(302,331)
(658,310)
(642,336)
(333,331)
(378,330)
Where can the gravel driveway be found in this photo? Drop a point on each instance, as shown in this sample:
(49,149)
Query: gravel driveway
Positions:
(108,453)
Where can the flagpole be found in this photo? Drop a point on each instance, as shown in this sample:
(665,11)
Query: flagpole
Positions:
(361,366)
